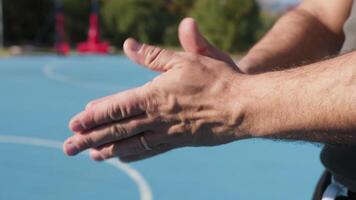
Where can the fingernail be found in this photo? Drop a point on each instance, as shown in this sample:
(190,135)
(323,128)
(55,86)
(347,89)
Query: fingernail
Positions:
(135,46)
(77,127)
(71,149)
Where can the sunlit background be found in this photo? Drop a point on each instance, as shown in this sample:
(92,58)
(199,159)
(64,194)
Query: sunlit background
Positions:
(30,26)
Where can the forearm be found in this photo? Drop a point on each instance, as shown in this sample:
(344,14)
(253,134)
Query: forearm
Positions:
(296,38)
(316,102)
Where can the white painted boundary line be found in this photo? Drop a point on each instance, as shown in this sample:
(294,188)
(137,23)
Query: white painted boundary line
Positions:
(143,187)
(49,71)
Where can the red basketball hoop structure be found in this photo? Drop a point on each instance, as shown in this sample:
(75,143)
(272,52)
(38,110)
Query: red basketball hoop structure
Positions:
(93,45)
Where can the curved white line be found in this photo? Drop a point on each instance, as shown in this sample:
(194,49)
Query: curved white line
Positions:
(143,187)
(49,72)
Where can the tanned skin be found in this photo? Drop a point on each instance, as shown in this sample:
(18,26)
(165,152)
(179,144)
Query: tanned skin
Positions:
(310,32)
(202,98)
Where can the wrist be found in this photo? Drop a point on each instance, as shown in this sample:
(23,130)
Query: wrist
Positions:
(266,108)
(248,102)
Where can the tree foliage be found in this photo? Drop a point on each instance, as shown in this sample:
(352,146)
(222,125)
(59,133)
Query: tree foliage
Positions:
(232,25)
(229,24)
(27,21)
(142,19)
(178,9)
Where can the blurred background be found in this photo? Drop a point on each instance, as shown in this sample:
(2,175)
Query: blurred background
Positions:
(232,25)
(41,91)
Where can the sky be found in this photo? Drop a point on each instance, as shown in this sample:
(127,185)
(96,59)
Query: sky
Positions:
(277,5)
(281,1)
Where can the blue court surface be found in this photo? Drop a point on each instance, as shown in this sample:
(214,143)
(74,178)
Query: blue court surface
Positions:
(38,96)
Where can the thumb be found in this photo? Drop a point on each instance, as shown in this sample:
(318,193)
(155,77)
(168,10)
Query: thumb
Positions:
(194,42)
(154,58)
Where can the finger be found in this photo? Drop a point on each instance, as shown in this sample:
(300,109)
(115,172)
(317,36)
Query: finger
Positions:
(194,42)
(120,106)
(106,134)
(96,101)
(130,146)
(154,58)
(160,150)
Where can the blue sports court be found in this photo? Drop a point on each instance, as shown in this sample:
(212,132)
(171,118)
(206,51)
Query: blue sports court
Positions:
(40,94)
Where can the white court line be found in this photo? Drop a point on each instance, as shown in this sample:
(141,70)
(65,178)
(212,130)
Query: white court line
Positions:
(143,187)
(49,71)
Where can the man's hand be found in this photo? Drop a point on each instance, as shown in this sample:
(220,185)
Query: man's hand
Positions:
(194,102)
(201,100)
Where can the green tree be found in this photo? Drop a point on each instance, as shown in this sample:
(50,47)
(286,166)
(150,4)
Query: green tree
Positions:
(229,24)
(142,19)
(178,9)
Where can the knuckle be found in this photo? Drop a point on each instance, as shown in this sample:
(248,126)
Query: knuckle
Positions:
(152,55)
(119,131)
(111,112)
(116,111)
(109,152)
(86,119)
(85,142)
(152,103)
